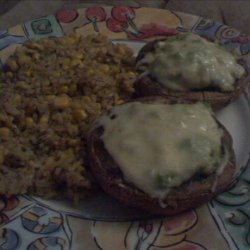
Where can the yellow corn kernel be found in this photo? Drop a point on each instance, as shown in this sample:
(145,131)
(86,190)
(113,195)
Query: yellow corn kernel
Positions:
(63,89)
(65,67)
(131,74)
(90,72)
(86,99)
(61,102)
(75,62)
(92,51)
(79,114)
(29,122)
(76,104)
(13,65)
(44,120)
(68,153)
(50,97)
(50,160)
(79,56)
(35,46)
(74,142)
(56,74)
(121,50)
(105,68)
(36,56)
(103,51)
(4,133)
(119,101)
(72,88)
(71,40)
(9,74)
(23,59)
(28,72)
(66,61)
(21,85)
(17,99)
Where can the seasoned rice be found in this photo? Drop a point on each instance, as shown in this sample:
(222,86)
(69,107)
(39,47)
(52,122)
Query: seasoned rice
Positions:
(53,90)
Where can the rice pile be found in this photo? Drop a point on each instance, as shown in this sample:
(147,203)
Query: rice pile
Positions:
(51,91)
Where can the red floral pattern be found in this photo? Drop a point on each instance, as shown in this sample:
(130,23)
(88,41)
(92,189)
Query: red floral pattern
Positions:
(66,16)
(7,204)
(116,26)
(95,14)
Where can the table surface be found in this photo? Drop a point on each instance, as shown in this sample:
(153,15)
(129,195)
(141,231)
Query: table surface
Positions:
(234,13)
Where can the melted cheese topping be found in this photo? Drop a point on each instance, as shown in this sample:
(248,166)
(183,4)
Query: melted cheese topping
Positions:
(189,62)
(159,146)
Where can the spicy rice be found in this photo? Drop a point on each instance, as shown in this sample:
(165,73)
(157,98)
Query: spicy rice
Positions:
(53,90)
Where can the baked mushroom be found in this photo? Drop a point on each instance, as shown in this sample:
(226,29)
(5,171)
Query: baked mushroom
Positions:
(160,156)
(187,66)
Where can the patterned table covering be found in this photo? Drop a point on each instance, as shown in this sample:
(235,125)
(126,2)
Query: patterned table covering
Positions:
(30,223)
